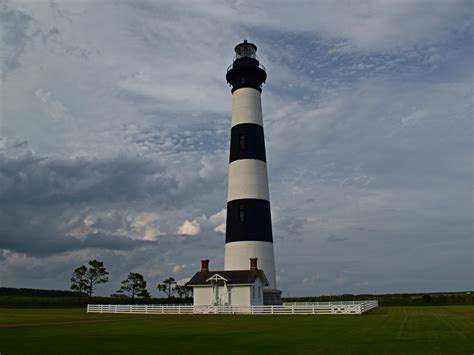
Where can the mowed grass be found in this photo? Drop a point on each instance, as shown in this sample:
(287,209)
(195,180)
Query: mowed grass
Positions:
(398,330)
(47,315)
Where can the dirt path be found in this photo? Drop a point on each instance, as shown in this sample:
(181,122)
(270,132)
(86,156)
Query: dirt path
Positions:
(85,321)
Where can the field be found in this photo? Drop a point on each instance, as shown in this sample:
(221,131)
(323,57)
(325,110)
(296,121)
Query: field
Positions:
(394,330)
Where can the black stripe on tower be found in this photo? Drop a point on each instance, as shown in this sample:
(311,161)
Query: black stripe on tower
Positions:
(247,142)
(248,220)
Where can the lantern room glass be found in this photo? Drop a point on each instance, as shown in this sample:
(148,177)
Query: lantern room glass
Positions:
(245,50)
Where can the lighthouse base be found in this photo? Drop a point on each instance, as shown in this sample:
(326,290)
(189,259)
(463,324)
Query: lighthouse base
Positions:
(272,297)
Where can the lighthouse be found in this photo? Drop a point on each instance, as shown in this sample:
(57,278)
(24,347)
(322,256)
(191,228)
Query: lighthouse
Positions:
(249,226)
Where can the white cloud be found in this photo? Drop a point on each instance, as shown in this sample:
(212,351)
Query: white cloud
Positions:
(145,225)
(178,268)
(221,228)
(183,282)
(190,228)
(219,217)
(218,220)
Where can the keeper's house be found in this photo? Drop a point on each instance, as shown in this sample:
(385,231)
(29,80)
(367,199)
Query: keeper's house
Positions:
(230,287)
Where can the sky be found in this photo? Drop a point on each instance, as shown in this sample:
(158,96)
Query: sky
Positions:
(115,126)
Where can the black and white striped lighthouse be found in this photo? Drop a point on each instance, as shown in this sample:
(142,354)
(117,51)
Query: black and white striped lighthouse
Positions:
(249,225)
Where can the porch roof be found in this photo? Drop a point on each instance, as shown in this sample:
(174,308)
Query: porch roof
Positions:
(233,277)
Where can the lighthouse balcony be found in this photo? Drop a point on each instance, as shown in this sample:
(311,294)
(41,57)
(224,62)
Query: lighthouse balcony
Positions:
(243,62)
(246,72)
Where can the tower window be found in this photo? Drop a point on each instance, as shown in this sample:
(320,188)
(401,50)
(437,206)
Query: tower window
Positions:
(243,141)
(242,213)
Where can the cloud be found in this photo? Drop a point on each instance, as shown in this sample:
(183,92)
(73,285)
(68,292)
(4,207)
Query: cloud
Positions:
(190,228)
(219,220)
(52,205)
(178,268)
(35,243)
(335,239)
(221,228)
(15,27)
(37,180)
(54,107)
(375,25)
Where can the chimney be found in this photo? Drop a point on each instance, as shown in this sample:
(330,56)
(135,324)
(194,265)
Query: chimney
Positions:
(253,264)
(205,265)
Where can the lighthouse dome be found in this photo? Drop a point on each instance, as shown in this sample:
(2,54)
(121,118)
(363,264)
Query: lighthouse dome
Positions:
(245,50)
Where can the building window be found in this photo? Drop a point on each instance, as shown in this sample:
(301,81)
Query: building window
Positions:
(243,142)
(259,292)
(253,292)
(242,213)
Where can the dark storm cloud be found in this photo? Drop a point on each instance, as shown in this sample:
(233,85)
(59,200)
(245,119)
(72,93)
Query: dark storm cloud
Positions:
(38,241)
(42,199)
(41,181)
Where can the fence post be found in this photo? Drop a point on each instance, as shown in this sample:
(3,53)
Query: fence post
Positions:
(313,308)
(292,309)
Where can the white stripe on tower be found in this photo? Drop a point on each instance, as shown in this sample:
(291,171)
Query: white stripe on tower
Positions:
(246,107)
(248,179)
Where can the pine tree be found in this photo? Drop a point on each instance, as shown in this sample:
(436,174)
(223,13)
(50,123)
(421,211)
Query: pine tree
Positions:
(134,285)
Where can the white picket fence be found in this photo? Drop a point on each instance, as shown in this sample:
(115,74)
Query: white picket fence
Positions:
(351,307)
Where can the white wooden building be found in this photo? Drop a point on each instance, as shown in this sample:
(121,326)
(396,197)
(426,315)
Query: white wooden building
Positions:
(229,287)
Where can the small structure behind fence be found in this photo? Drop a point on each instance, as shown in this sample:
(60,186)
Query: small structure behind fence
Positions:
(348,307)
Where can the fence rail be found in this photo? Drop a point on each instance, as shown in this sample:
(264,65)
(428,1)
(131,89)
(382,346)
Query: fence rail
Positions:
(352,307)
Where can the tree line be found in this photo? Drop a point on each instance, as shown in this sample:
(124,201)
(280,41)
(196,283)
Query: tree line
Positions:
(86,278)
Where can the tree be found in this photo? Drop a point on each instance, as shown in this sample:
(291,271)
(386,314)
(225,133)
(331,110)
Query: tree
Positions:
(134,285)
(167,286)
(145,294)
(184,291)
(88,277)
(79,280)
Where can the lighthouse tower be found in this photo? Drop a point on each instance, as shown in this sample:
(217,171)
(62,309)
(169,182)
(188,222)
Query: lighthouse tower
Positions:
(249,225)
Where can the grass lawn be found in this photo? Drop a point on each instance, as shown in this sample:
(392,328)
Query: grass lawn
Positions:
(398,330)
